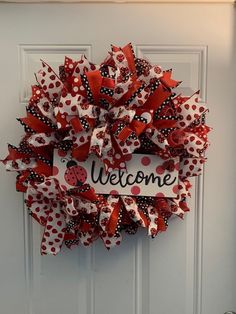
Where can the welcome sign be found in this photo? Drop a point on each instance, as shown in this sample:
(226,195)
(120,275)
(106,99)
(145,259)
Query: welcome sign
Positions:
(144,176)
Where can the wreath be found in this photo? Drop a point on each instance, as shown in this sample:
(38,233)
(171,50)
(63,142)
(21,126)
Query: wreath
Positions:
(111,110)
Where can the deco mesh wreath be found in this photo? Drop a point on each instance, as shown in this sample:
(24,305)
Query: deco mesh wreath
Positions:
(111,110)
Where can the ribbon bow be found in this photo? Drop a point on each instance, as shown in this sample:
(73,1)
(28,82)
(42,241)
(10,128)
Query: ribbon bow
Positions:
(51,207)
(182,131)
(106,109)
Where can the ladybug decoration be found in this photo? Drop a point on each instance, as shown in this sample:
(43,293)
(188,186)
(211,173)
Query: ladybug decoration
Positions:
(75,175)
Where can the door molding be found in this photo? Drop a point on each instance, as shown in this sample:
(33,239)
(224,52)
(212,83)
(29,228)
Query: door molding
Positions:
(118,1)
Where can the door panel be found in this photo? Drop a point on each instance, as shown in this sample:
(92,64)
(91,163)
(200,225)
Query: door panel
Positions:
(190,268)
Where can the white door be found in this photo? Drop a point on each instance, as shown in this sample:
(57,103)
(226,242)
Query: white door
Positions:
(190,269)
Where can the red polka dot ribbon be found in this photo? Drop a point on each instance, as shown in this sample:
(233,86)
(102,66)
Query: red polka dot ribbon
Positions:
(52,207)
(113,109)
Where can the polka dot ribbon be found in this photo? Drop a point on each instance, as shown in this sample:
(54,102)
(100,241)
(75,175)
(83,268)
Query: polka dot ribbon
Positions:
(52,207)
(106,138)
(123,105)
(106,110)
